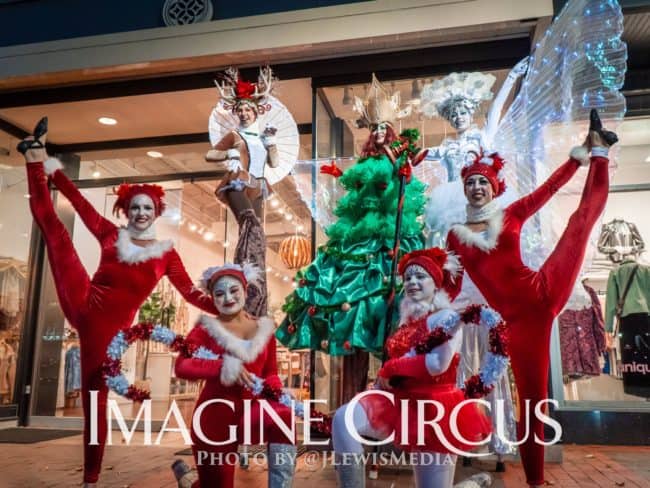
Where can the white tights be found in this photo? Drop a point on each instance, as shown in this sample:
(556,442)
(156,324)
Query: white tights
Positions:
(427,474)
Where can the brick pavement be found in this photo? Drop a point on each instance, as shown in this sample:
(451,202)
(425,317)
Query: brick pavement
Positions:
(57,464)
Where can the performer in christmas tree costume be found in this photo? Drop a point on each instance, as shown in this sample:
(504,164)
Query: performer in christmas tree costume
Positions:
(489,248)
(132,262)
(339,306)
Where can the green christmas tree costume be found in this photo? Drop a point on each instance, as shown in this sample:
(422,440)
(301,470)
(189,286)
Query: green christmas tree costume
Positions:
(340,303)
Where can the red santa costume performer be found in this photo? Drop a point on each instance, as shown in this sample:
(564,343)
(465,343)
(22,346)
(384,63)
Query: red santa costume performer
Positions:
(132,262)
(241,346)
(489,247)
(431,278)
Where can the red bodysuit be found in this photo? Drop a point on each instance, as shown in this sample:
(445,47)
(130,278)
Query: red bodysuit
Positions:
(99,307)
(529,300)
(258,356)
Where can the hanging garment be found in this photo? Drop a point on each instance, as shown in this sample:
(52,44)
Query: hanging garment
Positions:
(7,368)
(12,287)
(637,299)
(72,370)
(582,336)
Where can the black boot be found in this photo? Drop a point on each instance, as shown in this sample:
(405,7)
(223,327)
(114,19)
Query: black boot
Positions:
(608,137)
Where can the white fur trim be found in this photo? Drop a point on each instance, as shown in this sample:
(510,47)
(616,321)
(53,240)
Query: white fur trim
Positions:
(230,369)
(252,273)
(127,252)
(244,350)
(51,165)
(470,238)
(441,300)
(580,154)
(452,264)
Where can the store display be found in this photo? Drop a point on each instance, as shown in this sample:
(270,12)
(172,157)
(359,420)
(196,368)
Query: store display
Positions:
(620,240)
(628,320)
(339,305)
(132,262)
(231,341)
(582,333)
(423,360)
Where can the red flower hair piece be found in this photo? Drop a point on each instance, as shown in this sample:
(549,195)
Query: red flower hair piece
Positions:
(444,267)
(490,167)
(126,193)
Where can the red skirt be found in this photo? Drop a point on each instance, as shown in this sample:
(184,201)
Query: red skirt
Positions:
(471,422)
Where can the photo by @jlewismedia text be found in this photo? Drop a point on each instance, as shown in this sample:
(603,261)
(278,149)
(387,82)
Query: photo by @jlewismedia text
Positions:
(242,433)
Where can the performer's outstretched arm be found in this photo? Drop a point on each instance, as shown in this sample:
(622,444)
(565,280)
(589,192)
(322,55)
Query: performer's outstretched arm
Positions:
(178,276)
(494,115)
(195,368)
(526,206)
(96,223)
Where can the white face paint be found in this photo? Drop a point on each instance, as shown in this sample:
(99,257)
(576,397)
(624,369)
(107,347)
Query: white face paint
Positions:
(419,285)
(478,191)
(229,295)
(142,212)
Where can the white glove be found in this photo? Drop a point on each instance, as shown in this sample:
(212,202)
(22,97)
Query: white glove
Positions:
(233,154)
(269,141)
(234,165)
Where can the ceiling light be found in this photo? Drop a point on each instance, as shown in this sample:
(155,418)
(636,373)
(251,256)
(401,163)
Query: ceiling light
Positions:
(275,203)
(26,195)
(288,217)
(647,160)
(154,154)
(107,121)
(193,227)
(301,228)
(208,236)
(281,211)
(294,285)
(96,174)
(226,244)
(269,269)
(285,278)
(201,231)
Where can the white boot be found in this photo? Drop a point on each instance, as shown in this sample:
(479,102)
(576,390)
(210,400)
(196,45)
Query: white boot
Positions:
(480,480)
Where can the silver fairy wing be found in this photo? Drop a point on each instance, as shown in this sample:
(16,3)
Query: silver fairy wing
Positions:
(578,65)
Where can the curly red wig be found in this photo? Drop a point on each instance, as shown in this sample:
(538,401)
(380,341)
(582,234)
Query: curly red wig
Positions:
(370,148)
(126,193)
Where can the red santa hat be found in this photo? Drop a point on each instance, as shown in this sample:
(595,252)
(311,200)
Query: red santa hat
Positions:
(126,193)
(490,167)
(245,274)
(443,266)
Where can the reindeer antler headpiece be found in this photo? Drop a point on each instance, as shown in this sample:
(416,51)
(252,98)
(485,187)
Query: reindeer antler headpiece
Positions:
(379,105)
(235,91)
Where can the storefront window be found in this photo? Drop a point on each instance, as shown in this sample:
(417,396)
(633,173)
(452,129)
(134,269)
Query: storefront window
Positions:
(15,228)
(599,364)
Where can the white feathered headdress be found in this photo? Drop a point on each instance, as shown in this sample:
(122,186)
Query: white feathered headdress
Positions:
(468,89)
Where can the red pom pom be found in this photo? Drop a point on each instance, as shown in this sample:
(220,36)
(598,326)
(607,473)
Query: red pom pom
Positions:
(291,328)
(498,339)
(112,367)
(472,314)
(137,395)
(311,311)
(435,338)
(474,387)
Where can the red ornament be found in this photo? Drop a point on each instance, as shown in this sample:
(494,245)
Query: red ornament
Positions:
(302,282)
(390,253)
(347,346)
(382,186)
(311,311)
(291,328)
